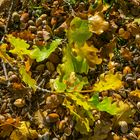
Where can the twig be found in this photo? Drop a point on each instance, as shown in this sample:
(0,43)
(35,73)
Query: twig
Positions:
(2,40)
(57,92)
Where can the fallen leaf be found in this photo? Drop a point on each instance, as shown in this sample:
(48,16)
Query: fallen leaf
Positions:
(97,24)
(108,81)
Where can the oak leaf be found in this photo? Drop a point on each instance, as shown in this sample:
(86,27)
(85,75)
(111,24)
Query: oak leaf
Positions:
(97,24)
(108,81)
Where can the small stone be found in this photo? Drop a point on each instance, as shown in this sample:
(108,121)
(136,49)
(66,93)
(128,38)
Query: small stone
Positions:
(123,126)
(19,102)
(53,117)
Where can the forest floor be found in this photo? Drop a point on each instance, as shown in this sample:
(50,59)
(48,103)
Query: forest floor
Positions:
(70,70)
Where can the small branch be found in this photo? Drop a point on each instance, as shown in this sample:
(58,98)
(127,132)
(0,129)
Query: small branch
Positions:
(49,91)
(2,40)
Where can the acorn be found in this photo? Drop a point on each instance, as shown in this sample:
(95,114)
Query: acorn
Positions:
(51,118)
(24,17)
(127,70)
(44,22)
(39,28)
(2,119)
(23,26)
(121,31)
(31,22)
(40,67)
(136,60)
(123,126)
(54,58)
(136,130)
(13,78)
(50,66)
(19,102)
(38,22)
(43,16)
(138,105)
(116,137)
(53,21)
(53,101)
(15,17)
(137,38)
(67,131)
(138,82)
(40,34)
(33,29)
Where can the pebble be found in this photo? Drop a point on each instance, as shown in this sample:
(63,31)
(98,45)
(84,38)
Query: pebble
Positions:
(19,102)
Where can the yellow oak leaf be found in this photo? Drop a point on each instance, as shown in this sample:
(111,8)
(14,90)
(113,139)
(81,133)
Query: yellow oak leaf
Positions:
(135,93)
(108,81)
(24,132)
(97,24)
(89,53)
